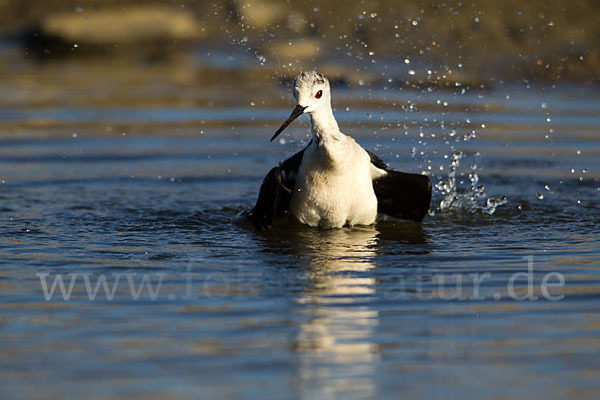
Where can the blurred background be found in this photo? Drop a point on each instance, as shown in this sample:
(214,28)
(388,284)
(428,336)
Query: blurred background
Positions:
(445,42)
(239,53)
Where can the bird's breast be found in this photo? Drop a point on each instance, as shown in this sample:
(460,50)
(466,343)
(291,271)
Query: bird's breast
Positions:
(333,194)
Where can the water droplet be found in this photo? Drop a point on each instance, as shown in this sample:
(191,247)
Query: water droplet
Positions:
(411,72)
(407,61)
(547,187)
(415,23)
(261,59)
(540,195)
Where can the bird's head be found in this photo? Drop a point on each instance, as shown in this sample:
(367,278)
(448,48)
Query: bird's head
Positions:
(312,92)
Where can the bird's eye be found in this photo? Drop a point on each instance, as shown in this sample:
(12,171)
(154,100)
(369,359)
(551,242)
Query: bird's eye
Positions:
(319,94)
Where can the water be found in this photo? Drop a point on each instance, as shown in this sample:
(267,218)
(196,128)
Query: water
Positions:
(129,173)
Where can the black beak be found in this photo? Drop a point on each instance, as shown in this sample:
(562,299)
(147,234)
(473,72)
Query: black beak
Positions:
(295,114)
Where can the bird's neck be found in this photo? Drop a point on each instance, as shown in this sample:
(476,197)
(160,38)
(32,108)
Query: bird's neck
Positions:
(324,126)
(330,144)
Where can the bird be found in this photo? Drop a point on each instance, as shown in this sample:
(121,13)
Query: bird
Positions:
(333,182)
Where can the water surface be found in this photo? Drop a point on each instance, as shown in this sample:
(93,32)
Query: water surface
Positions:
(104,175)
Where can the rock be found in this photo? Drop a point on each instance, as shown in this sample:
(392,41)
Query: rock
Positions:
(297,22)
(122,26)
(294,49)
(259,14)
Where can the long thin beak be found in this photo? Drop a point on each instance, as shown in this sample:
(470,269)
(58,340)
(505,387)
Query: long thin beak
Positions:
(295,114)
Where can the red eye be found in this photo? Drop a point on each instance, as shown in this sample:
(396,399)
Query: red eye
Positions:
(319,94)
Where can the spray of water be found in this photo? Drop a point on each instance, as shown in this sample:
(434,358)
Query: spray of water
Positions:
(472,199)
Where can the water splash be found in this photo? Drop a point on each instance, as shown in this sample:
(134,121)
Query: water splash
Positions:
(472,199)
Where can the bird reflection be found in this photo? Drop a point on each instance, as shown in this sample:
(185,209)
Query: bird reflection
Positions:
(336,322)
(334,340)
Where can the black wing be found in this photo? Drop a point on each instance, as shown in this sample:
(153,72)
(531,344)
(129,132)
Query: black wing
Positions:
(275,192)
(401,195)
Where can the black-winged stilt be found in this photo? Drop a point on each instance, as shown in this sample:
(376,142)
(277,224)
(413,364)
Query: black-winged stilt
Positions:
(333,181)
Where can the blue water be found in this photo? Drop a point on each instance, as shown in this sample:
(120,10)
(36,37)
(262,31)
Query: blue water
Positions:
(153,190)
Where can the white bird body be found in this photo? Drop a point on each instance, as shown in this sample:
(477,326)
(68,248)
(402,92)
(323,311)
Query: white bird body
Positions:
(334,182)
